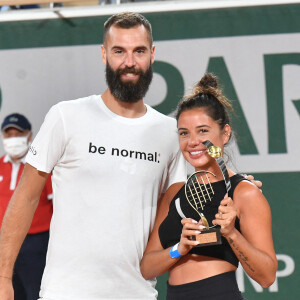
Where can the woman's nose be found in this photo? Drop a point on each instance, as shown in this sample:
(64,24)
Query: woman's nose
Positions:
(194,140)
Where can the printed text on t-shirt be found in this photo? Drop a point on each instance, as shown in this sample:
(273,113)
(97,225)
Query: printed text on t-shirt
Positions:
(125,153)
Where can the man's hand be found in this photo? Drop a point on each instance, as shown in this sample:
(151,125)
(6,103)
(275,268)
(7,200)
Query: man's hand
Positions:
(251,178)
(6,289)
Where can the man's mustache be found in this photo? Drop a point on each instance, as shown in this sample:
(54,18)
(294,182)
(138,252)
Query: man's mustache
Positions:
(130,70)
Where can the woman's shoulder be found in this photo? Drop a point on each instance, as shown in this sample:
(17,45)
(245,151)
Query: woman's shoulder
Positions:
(174,191)
(247,194)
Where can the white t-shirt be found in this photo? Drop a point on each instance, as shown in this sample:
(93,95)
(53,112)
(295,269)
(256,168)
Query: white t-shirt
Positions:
(108,172)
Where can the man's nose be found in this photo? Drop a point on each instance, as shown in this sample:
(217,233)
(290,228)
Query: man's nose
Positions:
(129,60)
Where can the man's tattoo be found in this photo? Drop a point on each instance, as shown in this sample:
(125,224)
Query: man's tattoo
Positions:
(241,255)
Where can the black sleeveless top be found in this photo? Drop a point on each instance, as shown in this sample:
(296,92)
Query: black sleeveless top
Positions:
(171,228)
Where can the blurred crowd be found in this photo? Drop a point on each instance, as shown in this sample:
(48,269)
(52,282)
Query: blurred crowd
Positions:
(72,3)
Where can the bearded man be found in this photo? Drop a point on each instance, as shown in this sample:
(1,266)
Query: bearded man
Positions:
(104,204)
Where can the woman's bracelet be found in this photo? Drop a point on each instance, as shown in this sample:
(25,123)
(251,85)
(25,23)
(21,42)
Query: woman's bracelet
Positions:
(6,277)
(174,253)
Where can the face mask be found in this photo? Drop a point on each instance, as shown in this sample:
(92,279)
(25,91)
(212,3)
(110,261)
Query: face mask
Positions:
(16,146)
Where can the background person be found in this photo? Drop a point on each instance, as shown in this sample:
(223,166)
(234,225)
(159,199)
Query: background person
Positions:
(244,215)
(30,264)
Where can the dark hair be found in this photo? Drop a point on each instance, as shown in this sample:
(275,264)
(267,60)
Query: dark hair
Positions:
(207,95)
(127,20)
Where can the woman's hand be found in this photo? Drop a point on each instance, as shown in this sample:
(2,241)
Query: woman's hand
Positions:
(226,216)
(190,228)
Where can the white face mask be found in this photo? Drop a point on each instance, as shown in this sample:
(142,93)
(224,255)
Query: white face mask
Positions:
(16,147)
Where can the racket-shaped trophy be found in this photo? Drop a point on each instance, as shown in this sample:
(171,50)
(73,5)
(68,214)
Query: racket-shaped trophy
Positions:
(199,194)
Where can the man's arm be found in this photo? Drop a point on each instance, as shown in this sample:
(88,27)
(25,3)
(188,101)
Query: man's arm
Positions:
(16,223)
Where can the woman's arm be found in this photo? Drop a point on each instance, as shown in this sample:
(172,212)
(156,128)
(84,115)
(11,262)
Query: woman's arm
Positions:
(254,245)
(156,260)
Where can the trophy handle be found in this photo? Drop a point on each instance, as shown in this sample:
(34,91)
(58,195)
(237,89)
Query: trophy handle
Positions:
(216,153)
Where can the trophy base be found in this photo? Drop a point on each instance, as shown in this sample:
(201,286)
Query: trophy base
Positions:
(208,237)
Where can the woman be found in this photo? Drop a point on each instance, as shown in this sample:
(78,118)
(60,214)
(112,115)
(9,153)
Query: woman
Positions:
(243,215)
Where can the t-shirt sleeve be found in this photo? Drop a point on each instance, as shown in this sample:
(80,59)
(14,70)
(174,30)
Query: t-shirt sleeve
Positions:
(177,169)
(48,188)
(49,145)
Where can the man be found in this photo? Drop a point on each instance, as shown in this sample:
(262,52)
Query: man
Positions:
(30,264)
(111,158)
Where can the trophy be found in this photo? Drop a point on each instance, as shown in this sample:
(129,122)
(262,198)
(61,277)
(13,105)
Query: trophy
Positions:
(199,192)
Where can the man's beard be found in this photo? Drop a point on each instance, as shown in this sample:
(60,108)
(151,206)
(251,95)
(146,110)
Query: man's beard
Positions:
(128,91)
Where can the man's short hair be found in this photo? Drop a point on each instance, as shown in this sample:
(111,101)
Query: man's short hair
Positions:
(127,20)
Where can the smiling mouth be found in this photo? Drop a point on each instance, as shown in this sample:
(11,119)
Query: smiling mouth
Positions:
(130,74)
(197,152)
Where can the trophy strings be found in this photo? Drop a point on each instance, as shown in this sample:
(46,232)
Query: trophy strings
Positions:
(199,191)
